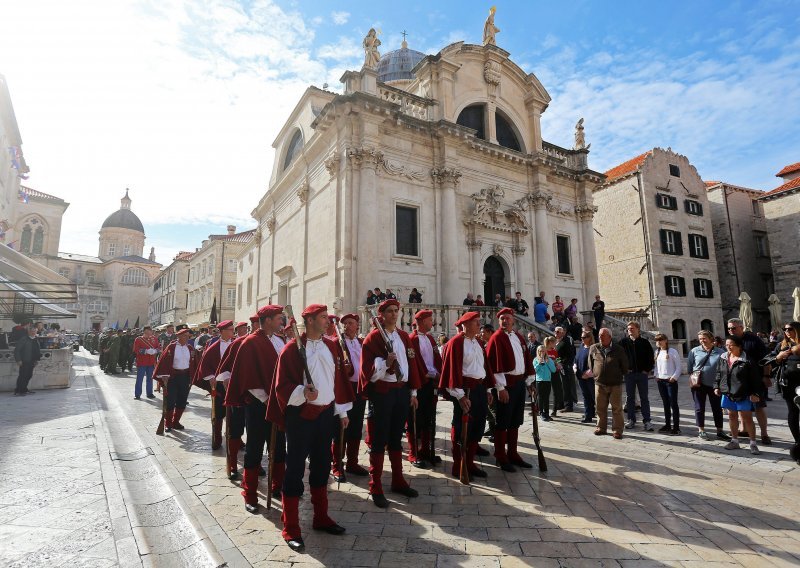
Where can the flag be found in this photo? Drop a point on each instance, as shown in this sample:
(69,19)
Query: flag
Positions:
(116,325)
(136,325)
(126,325)
(213,318)
(18,162)
(23,195)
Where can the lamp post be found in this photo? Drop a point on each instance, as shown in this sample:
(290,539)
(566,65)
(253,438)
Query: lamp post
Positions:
(655,303)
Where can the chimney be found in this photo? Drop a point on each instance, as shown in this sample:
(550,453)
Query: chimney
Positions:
(231,229)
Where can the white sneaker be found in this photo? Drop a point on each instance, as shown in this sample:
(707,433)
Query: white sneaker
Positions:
(732,445)
(754,450)
(648,426)
(629,424)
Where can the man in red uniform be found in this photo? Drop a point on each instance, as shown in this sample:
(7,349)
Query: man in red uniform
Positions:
(429,362)
(205,378)
(145,348)
(466,376)
(390,381)
(511,364)
(306,410)
(178,363)
(250,383)
(352,434)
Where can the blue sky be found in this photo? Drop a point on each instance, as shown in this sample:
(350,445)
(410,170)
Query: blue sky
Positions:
(180,100)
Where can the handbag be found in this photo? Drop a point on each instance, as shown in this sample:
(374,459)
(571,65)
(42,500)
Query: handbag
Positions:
(696,378)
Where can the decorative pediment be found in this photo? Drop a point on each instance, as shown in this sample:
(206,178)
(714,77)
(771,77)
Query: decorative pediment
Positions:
(401,170)
(490,212)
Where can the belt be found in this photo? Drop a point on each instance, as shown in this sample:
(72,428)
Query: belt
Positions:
(472,382)
(181,370)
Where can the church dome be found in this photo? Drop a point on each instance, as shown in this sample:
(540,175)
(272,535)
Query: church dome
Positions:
(397,65)
(124,218)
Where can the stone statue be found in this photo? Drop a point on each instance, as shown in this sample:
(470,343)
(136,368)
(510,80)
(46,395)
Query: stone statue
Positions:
(489,29)
(371,44)
(580,138)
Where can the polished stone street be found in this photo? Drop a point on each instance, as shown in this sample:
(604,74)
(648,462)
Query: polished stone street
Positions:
(84,481)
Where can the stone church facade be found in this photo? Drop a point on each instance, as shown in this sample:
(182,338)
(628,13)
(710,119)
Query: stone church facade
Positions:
(428,171)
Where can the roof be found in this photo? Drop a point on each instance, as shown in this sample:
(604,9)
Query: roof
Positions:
(785,188)
(243,237)
(36,194)
(183,255)
(133,258)
(791,168)
(123,219)
(626,168)
(712,183)
(397,65)
(79,257)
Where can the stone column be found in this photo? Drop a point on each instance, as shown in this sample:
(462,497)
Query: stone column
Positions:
(585,215)
(544,250)
(521,266)
(446,180)
(474,247)
(363,162)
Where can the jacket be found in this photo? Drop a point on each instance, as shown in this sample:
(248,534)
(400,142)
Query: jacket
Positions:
(739,381)
(27,350)
(608,366)
(640,354)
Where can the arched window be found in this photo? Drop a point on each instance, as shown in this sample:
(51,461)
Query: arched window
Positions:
(506,136)
(38,240)
(679,332)
(32,237)
(707,325)
(25,241)
(472,117)
(292,150)
(135,277)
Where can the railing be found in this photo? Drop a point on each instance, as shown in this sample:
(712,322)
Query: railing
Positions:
(618,322)
(411,105)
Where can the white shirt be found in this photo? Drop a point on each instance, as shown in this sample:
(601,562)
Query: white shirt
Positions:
(354,348)
(399,349)
(181,357)
(472,364)
(322,368)
(223,346)
(278,344)
(426,351)
(519,362)
(668,364)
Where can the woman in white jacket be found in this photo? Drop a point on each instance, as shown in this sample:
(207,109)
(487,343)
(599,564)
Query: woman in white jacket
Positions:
(668,371)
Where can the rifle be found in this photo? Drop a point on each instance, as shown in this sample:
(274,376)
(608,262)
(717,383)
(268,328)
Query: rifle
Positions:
(160,429)
(432,426)
(346,355)
(388,343)
(463,473)
(535,407)
(272,441)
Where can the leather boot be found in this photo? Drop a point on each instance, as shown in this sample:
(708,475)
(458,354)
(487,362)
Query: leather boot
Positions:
(474,470)
(168,419)
(291,523)
(216,434)
(250,489)
(233,451)
(322,522)
(399,483)
(513,455)
(375,484)
(368,437)
(337,467)
(278,475)
(500,437)
(456,470)
(176,419)
(352,458)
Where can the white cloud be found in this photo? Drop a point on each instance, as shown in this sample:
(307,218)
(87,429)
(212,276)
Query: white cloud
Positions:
(340,18)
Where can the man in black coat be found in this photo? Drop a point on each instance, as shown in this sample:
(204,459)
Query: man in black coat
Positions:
(27,355)
(566,352)
(641,362)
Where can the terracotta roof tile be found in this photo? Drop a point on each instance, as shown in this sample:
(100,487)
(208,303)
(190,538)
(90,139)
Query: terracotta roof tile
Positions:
(626,167)
(183,255)
(793,184)
(789,169)
(712,183)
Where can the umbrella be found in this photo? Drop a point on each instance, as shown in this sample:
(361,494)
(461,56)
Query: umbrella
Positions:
(796,296)
(774,311)
(745,310)
(213,318)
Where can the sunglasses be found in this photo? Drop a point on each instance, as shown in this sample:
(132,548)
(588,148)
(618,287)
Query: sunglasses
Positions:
(788,329)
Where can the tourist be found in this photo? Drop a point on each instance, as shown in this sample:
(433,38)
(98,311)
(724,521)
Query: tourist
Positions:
(487,330)
(372,299)
(704,359)
(27,355)
(640,364)
(571,311)
(479,300)
(574,329)
(533,343)
(520,305)
(441,341)
(540,299)
(545,369)
(145,347)
(787,355)
(556,381)
(469,300)
(668,371)
(755,350)
(414,297)
(390,295)
(585,378)
(498,301)
(540,313)
(609,365)
(379,296)
(566,355)
(598,311)
(558,309)
(589,326)
(739,383)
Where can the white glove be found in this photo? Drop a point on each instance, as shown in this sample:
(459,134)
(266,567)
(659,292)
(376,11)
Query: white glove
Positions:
(151,351)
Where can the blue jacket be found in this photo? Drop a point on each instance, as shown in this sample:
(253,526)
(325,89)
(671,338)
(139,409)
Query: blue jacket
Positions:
(544,371)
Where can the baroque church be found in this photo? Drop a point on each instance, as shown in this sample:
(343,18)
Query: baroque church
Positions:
(427,172)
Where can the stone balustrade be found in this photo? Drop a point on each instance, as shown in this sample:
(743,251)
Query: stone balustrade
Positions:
(410,105)
(54,370)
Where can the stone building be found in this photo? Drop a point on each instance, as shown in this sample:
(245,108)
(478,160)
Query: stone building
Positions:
(12,167)
(742,250)
(169,292)
(428,171)
(247,280)
(36,224)
(212,276)
(782,214)
(655,244)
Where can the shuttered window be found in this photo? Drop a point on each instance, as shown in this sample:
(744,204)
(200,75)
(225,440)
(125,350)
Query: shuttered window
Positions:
(671,242)
(703,288)
(698,246)
(675,285)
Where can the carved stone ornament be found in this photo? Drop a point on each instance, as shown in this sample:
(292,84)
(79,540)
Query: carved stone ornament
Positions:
(403,171)
(332,165)
(474,244)
(491,72)
(558,209)
(490,213)
(446,175)
(539,199)
(271,223)
(585,212)
(497,249)
(518,250)
(302,192)
(365,156)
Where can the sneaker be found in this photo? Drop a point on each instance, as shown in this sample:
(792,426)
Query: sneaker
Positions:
(754,450)
(630,424)
(648,426)
(675,432)
(151,396)
(19,394)
(702,435)
(665,429)
(766,440)
(723,436)
(137,398)
(732,445)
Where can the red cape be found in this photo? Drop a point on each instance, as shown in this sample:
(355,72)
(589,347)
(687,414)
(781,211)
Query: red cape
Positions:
(209,363)
(230,355)
(373,347)
(437,359)
(253,368)
(501,355)
(164,365)
(453,365)
(290,374)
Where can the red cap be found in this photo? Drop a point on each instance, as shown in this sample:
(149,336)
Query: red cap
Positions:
(254,318)
(468,316)
(269,311)
(184,331)
(240,324)
(422,314)
(505,311)
(314,309)
(386,303)
(224,324)
(349,316)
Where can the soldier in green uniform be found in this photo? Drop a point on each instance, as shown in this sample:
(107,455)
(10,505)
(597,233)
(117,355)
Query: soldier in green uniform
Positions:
(102,345)
(125,349)
(112,352)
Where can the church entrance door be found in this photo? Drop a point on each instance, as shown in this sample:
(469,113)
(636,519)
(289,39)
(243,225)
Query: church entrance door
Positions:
(494,282)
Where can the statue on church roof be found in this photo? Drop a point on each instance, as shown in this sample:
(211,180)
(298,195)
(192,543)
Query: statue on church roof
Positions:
(371,44)
(580,137)
(489,29)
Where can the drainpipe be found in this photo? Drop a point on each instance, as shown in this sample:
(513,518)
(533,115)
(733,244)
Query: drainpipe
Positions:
(646,236)
(733,247)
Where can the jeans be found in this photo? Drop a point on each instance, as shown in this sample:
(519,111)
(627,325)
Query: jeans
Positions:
(637,381)
(669,396)
(543,391)
(587,390)
(24,377)
(570,390)
(699,396)
(558,391)
(141,372)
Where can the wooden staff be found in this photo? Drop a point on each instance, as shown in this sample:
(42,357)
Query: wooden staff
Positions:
(164,410)
(463,473)
(535,406)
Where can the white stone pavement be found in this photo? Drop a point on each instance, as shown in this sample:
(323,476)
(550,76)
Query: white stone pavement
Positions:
(646,500)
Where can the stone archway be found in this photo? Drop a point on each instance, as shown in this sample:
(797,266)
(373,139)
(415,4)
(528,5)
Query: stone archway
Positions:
(494,279)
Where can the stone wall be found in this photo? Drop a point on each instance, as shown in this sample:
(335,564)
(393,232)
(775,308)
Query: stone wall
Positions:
(54,370)
(782,215)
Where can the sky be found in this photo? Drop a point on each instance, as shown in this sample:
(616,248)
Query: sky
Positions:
(181,100)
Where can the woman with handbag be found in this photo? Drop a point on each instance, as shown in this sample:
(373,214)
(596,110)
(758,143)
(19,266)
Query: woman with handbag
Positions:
(739,383)
(702,364)
(787,355)
(667,372)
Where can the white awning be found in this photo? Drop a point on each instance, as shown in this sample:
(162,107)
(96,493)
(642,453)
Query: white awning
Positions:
(29,289)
